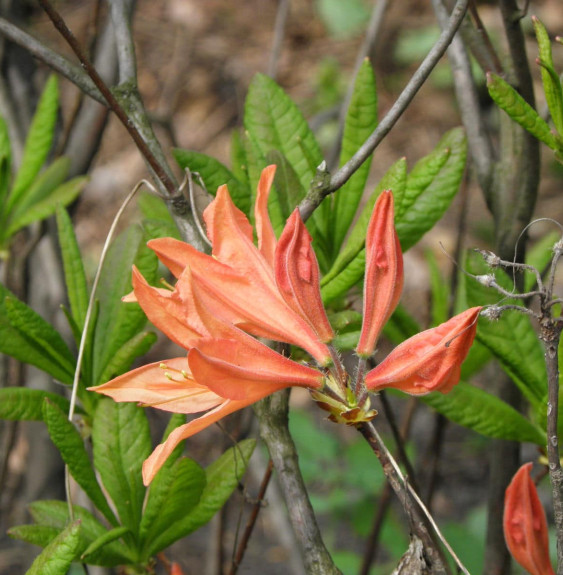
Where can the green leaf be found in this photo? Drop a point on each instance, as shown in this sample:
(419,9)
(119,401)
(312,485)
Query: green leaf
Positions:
(118,322)
(57,557)
(435,199)
(276,123)
(439,289)
(40,535)
(136,347)
(157,218)
(121,439)
(75,277)
(38,142)
(70,444)
(550,80)
(103,540)
(180,492)
(215,174)
(26,336)
(361,121)
(24,404)
(5,166)
(485,413)
(64,195)
(222,477)
(348,268)
(540,256)
(54,514)
(238,158)
(420,177)
(43,186)
(512,339)
(508,99)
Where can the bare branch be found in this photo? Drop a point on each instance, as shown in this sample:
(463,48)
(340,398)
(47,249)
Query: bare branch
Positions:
(70,71)
(279,30)
(314,198)
(466,95)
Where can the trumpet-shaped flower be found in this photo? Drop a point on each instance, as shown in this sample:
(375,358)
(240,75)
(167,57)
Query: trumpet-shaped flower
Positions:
(271,290)
(525,525)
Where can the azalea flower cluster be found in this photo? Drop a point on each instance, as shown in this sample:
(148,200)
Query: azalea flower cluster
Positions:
(222,302)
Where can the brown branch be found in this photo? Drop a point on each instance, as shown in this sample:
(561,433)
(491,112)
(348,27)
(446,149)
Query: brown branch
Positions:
(252,519)
(111,100)
(273,418)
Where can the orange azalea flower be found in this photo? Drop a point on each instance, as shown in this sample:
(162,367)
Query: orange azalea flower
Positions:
(525,526)
(272,290)
(430,360)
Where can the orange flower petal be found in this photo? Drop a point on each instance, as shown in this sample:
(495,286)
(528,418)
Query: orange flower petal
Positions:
(247,369)
(384,273)
(168,311)
(168,386)
(429,361)
(297,275)
(157,458)
(264,230)
(173,253)
(525,525)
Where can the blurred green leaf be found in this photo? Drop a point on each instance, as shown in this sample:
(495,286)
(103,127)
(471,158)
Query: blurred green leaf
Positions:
(485,413)
(54,514)
(25,404)
(40,535)
(57,557)
(75,277)
(539,255)
(550,79)
(348,268)
(123,358)
(5,166)
(180,491)
(361,121)
(119,322)
(215,174)
(38,142)
(25,335)
(343,19)
(508,99)
(103,540)
(512,339)
(440,291)
(438,188)
(222,476)
(121,439)
(70,444)
(64,195)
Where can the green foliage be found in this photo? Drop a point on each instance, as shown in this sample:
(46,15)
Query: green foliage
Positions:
(59,554)
(508,99)
(25,335)
(24,404)
(343,20)
(34,196)
(361,121)
(513,340)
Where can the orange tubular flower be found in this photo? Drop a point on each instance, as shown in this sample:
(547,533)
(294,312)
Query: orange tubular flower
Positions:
(525,526)
(384,273)
(430,360)
(272,291)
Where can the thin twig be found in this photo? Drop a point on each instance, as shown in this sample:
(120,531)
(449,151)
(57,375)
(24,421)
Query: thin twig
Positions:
(279,32)
(273,418)
(314,198)
(112,102)
(406,493)
(370,38)
(70,71)
(252,518)
(468,101)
